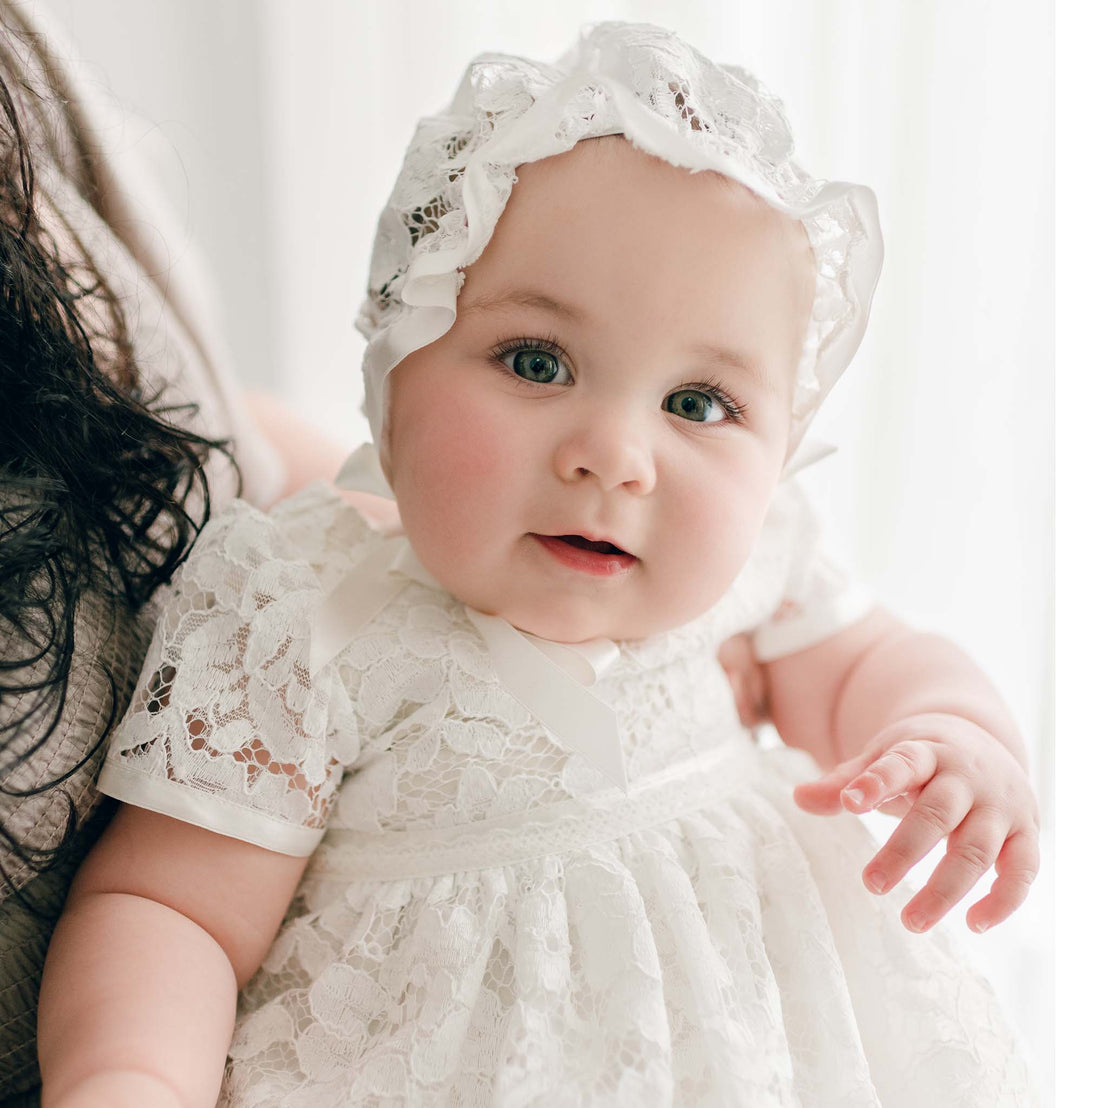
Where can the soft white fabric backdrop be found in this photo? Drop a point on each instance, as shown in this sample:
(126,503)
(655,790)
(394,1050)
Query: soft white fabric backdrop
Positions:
(278,127)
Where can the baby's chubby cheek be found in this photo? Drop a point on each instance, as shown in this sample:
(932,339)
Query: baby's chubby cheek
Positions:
(707,544)
(451,463)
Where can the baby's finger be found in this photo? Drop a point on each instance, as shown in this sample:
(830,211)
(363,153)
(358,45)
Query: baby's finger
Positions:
(822,796)
(899,806)
(941,806)
(907,765)
(971,850)
(1017,865)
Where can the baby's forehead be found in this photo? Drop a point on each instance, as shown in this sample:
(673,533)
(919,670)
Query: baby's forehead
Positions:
(613,162)
(607,207)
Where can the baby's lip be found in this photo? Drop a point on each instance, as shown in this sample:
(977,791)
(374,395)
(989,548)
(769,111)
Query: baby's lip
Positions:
(595,557)
(600,544)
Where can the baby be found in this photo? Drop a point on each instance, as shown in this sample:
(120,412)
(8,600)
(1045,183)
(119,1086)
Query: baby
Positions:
(547,865)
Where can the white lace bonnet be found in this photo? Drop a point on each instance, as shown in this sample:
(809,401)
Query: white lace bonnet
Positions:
(669,100)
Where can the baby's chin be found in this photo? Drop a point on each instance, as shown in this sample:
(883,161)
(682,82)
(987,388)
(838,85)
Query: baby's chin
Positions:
(576,622)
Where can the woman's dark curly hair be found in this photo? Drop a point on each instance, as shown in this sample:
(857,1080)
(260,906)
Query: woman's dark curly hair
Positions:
(93,475)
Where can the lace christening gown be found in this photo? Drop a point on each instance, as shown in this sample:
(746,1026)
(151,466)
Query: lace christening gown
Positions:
(486,919)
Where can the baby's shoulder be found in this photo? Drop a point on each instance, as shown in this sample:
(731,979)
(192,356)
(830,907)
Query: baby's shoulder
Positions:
(314,528)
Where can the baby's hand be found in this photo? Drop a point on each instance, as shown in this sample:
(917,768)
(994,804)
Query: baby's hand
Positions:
(946,777)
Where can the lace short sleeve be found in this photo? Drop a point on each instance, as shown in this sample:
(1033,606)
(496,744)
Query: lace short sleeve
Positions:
(819,598)
(226,729)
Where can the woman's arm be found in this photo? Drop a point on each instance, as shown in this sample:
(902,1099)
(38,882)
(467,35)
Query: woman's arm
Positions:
(164,923)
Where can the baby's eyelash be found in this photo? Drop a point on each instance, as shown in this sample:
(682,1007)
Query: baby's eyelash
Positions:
(548,345)
(713,386)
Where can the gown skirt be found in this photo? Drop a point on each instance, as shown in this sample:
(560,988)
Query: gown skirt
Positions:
(698,940)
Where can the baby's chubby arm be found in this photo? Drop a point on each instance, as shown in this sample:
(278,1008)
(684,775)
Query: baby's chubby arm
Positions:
(164,923)
(905,723)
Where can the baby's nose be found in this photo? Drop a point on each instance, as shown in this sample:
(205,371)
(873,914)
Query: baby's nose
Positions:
(615,453)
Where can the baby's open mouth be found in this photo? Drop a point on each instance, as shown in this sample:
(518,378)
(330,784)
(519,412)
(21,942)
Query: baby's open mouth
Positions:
(598,557)
(588,544)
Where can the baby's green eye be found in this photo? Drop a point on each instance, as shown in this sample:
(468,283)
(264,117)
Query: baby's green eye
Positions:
(538,366)
(694,405)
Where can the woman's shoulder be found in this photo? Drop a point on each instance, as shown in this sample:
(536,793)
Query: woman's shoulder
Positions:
(314,528)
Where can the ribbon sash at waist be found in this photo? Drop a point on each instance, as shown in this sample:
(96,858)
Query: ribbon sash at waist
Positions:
(550,829)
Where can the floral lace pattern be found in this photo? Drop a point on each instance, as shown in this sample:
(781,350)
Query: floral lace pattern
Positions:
(547,940)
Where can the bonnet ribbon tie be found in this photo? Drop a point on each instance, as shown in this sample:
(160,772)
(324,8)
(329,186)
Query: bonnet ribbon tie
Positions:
(549,679)
(362,472)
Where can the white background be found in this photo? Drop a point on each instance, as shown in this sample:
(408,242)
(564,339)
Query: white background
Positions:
(278,127)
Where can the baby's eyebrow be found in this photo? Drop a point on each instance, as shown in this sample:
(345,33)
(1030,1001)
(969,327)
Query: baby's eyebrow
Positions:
(524,298)
(721,356)
(732,359)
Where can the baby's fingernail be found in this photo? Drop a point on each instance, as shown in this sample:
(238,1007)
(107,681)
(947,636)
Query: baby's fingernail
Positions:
(980,926)
(917,921)
(855,796)
(878,882)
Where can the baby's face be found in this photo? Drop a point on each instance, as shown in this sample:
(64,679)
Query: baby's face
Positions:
(620,372)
